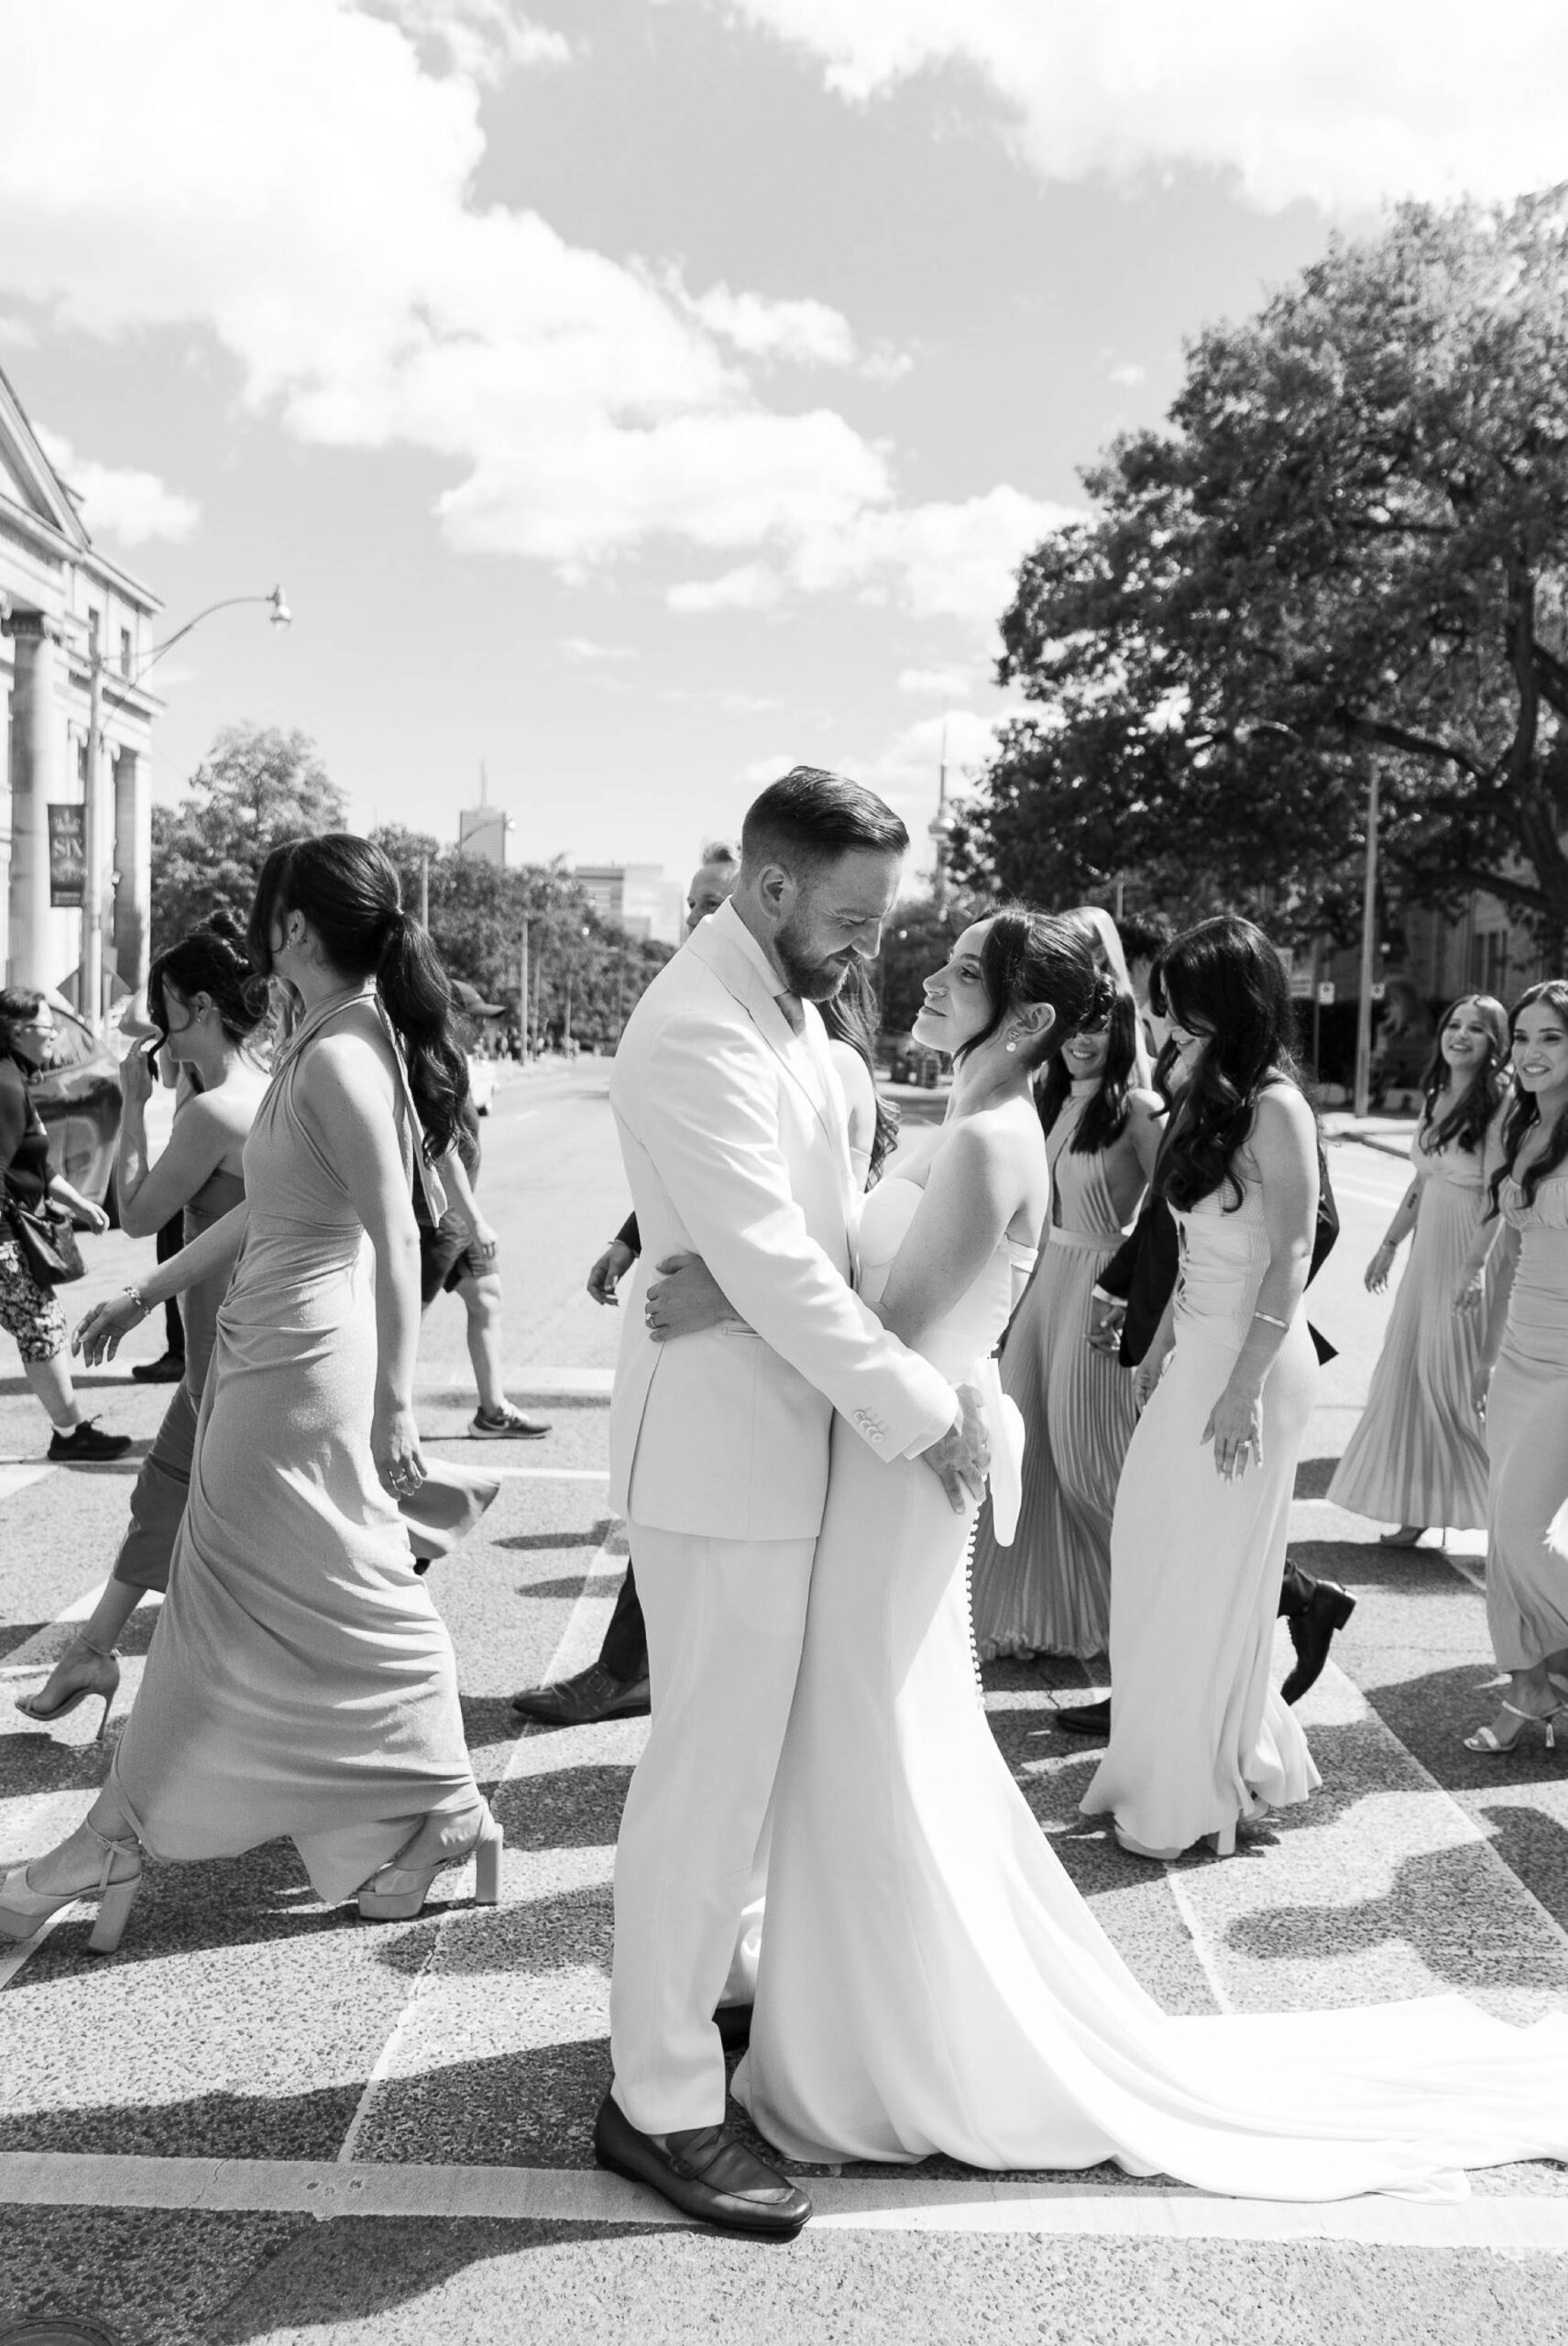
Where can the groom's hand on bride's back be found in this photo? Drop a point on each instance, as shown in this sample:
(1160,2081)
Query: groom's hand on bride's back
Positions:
(961,1457)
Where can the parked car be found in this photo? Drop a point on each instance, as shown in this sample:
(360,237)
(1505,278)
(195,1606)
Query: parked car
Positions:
(910,1063)
(77,1097)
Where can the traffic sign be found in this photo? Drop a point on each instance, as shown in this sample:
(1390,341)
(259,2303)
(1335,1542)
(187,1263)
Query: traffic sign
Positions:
(1325,993)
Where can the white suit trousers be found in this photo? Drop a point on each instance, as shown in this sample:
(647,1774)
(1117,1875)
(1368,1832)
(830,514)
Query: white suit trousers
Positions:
(726,1621)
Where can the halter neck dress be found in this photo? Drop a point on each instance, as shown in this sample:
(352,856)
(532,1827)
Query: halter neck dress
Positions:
(300,1683)
(1526,1437)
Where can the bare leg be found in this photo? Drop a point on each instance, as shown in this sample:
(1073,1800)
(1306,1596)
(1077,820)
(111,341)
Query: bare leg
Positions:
(482,1303)
(77,1862)
(81,1663)
(51,1380)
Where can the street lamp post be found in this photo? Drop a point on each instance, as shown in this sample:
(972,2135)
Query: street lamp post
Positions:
(95,828)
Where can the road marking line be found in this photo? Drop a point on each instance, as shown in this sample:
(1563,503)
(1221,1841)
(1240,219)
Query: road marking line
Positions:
(43,1645)
(1180,1898)
(549,1474)
(17,1472)
(579,1645)
(24,1950)
(549,1383)
(895,2203)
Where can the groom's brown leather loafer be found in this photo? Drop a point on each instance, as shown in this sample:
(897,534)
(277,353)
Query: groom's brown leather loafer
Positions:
(706,2173)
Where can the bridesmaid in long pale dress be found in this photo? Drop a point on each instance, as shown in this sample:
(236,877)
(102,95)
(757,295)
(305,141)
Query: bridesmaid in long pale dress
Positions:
(1199,1737)
(300,1682)
(204,998)
(1416,1457)
(1050,1591)
(1521,1383)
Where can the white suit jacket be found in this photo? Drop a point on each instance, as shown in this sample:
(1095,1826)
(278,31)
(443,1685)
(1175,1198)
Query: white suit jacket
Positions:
(732,1129)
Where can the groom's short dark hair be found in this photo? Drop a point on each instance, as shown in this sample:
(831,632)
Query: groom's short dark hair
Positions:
(811,818)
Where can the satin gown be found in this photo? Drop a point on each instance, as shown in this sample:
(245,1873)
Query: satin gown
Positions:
(299,1681)
(1199,1737)
(930,1980)
(1527,1433)
(1050,1591)
(1417,1456)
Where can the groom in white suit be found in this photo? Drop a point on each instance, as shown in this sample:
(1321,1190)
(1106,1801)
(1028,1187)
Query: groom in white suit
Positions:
(733,1128)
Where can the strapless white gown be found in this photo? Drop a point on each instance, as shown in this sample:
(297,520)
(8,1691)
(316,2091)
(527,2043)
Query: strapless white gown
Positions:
(931,1981)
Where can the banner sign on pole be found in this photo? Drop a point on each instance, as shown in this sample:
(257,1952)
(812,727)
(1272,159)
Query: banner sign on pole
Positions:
(67,856)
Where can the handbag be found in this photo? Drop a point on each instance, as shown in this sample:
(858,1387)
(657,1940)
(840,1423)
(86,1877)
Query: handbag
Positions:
(46,1241)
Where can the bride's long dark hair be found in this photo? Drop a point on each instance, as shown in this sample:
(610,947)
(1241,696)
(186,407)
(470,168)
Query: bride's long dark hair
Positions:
(1224,980)
(348,892)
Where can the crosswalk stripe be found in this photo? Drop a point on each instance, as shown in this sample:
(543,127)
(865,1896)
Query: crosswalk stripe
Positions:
(1505,2223)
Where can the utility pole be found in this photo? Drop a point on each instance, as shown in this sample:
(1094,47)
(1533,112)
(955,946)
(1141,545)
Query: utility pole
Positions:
(940,827)
(522,999)
(1368,954)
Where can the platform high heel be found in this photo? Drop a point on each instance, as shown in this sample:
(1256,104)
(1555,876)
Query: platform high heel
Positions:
(1487,1739)
(97,1675)
(397,1893)
(24,1911)
(1224,1842)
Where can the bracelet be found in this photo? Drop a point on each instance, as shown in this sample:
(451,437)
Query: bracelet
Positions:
(1272,1322)
(143,1306)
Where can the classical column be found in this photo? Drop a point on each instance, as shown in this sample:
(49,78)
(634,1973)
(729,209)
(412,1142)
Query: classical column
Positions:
(36,737)
(133,868)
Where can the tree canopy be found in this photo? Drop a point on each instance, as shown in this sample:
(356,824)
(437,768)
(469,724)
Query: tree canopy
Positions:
(257,786)
(1351,543)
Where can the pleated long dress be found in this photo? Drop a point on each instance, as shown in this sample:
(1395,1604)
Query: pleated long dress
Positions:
(300,1683)
(1050,1591)
(1417,1456)
(1199,1737)
(1527,1433)
(157,1500)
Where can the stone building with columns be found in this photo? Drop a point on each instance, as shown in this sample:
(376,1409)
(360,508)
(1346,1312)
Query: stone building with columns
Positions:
(66,610)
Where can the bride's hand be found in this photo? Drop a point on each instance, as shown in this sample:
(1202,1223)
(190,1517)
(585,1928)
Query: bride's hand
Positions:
(1235,1429)
(98,1337)
(685,1299)
(394,1446)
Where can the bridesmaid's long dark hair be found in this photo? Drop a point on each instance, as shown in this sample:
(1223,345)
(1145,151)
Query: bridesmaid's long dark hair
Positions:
(1467,1121)
(211,960)
(1104,1119)
(348,892)
(852,1016)
(1524,1109)
(1222,978)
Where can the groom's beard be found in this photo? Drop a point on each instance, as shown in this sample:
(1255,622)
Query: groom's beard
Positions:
(812,981)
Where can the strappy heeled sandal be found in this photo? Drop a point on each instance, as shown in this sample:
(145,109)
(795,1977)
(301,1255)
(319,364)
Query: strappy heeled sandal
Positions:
(24,1910)
(397,1893)
(1487,1739)
(100,1680)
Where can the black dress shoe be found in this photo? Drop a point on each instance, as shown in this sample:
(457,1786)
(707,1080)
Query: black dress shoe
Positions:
(1084,1718)
(1312,1633)
(706,2173)
(593,1694)
(169,1368)
(733,2023)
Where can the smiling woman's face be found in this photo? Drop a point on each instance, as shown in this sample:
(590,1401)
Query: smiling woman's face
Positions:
(1540,1047)
(956,1006)
(1466,1039)
(1085,1054)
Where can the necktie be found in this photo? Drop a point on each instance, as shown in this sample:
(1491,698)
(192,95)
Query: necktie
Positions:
(794,1009)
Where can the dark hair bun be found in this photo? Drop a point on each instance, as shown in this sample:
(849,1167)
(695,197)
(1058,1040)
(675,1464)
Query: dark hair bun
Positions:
(1103,1001)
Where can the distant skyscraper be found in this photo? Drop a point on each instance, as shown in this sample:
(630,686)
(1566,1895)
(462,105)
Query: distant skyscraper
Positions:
(482,829)
(637,895)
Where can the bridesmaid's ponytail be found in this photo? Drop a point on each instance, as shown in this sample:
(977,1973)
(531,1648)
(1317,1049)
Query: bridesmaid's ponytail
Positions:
(347,891)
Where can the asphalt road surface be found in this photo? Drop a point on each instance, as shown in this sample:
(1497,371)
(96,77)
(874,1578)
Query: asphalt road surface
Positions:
(263,2121)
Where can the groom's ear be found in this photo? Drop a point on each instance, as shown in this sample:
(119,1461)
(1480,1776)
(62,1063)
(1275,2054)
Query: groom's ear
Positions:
(776,888)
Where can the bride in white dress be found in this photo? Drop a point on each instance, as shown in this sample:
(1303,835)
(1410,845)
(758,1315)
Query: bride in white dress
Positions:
(930,1980)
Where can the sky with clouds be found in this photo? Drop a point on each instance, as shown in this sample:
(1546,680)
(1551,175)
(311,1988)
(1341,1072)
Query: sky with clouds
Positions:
(642,396)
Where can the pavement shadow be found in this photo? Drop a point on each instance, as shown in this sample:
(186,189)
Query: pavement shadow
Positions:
(1443,1905)
(531,1543)
(1313,1476)
(570,1808)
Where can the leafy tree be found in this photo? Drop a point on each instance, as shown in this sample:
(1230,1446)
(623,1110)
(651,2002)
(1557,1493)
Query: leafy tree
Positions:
(1350,544)
(257,786)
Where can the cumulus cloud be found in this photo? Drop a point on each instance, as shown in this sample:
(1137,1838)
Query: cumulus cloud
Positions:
(121,502)
(302,192)
(1330,100)
(935,684)
(588,654)
(809,334)
(1127,371)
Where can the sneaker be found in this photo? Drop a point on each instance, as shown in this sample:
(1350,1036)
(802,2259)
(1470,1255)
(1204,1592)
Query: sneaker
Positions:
(506,1424)
(167,1369)
(85,1446)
